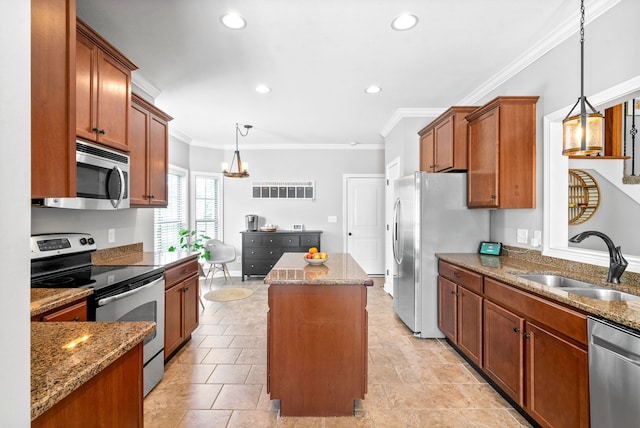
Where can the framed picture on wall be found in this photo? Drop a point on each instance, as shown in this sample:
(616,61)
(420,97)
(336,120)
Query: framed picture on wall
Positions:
(630,110)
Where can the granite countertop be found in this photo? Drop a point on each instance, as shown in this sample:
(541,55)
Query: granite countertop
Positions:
(144,258)
(339,269)
(505,269)
(46,299)
(56,370)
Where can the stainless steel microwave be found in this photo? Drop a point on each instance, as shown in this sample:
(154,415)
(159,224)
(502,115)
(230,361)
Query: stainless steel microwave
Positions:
(102,180)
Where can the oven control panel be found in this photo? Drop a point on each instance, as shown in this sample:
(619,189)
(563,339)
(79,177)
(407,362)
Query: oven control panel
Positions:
(60,244)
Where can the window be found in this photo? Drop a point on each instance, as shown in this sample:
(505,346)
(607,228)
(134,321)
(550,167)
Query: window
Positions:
(206,204)
(168,221)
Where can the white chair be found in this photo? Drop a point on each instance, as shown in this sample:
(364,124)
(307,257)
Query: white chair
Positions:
(217,255)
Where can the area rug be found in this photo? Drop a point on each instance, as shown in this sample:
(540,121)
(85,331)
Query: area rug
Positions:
(227,294)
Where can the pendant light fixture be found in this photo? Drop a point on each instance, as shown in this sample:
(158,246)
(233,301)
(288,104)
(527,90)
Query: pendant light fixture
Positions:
(242,168)
(582,133)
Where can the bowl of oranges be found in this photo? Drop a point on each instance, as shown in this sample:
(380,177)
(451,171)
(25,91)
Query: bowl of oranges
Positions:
(315,257)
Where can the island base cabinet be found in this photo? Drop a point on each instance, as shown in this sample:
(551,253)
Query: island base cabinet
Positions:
(112,398)
(317,348)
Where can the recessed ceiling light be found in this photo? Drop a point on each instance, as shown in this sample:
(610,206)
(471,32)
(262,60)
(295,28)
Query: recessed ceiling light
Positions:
(263,89)
(373,89)
(406,21)
(233,20)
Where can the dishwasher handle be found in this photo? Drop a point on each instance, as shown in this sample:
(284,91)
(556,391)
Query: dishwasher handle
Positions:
(626,354)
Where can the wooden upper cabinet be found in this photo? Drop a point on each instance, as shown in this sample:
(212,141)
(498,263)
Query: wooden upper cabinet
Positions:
(148,144)
(502,154)
(443,143)
(103,96)
(427,150)
(53,86)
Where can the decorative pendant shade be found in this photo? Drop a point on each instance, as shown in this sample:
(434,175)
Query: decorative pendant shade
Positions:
(242,169)
(582,133)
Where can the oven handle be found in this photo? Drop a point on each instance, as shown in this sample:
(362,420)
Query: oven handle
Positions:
(112,299)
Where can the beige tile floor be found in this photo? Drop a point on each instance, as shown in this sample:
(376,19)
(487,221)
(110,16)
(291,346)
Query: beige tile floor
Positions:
(218,378)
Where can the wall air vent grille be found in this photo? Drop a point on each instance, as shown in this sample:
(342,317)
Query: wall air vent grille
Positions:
(284,190)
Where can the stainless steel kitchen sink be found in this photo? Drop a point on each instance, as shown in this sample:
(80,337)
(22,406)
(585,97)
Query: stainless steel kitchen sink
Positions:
(604,294)
(556,281)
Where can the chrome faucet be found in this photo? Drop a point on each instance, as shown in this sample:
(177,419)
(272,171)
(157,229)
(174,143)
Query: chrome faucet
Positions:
(617,263)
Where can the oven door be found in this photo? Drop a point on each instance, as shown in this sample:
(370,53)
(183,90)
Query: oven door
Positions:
(145,303)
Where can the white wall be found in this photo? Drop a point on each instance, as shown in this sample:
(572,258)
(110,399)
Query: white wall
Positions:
(15,174)
(325,166)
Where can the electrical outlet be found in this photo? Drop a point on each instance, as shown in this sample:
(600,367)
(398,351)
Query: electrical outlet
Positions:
(536,241)
(111,236)
(523,236)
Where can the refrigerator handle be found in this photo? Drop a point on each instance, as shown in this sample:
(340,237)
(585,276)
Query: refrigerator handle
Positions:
(397,254)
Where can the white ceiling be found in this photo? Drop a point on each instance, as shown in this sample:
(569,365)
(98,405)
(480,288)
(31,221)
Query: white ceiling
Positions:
(318,57)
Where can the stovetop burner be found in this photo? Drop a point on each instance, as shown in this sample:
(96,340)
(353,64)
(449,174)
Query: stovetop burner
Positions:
(64,261)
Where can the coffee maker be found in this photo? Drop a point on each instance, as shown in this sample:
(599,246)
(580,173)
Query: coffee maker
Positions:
(251,222)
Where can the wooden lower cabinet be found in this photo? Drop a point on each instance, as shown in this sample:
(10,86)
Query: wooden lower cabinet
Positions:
(460,309)
(533,349)
(557,379)
(112,398)
(503,357)
(181,300)
(317,348)
(74,311)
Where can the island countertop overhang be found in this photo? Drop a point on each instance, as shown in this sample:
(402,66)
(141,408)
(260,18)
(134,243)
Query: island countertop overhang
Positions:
(339,269)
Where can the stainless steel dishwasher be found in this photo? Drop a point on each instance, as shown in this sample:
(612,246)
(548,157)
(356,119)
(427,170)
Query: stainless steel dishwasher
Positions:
(614,374)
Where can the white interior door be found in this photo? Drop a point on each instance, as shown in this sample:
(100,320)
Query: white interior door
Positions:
(365,221)
(392,174)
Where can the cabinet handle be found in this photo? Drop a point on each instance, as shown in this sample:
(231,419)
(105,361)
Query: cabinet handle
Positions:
(516,329)
(526,335)
(456,274)
(185,289)
(99,131)
(492,196)
(76,319)
(183,271)
(453,292)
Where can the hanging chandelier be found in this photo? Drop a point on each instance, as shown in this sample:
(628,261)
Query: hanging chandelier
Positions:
(242,169)
(582,133)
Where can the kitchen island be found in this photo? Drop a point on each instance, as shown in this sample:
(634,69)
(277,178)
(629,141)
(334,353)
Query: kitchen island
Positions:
(317,335)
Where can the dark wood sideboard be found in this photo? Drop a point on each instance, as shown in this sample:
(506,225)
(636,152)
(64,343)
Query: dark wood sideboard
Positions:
(261,250)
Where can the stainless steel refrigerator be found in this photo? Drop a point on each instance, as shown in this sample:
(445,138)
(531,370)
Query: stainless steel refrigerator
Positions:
(430,216)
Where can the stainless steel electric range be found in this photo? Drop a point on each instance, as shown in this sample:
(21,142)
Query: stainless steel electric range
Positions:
(120,293)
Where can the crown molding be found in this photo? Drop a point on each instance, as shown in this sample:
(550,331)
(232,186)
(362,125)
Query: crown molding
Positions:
(565,30)
(402,113)
(143,85)
(288,146)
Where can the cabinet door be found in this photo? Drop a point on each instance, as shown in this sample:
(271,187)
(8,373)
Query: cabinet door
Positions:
(158,141)
(427,148)
(173,331)
(503,359)
(86,88)
(470,324)
(138,136)
(191,302)
(444,145)
(114,100)
(53,149)
(483,161)
(557,374)
(447,308)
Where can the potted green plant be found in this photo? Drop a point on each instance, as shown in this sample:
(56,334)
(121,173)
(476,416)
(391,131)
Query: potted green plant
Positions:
(191,240)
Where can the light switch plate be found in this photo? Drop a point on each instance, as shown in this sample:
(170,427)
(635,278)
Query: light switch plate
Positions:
(111,236)
(523,236)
